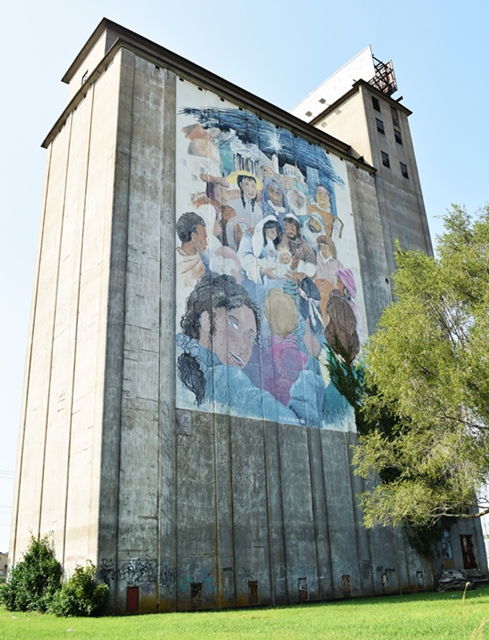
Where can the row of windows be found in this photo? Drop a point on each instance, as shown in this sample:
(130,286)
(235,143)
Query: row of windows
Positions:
(381,129)
(386,163)
(394,114)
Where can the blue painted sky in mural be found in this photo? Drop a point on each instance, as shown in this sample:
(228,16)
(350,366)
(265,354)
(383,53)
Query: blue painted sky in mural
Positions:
(271,140)
(279,51)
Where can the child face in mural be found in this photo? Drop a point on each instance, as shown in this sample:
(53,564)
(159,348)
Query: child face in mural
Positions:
(235,334)
(248,187)
(325,250)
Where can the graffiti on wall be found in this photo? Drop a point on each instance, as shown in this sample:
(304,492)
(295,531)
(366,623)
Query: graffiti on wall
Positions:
(268,283)
(141,571)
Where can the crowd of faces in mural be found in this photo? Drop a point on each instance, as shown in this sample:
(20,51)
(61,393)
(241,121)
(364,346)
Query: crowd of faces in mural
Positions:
(264,298)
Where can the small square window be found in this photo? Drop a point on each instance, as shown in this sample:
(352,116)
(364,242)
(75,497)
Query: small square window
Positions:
(385,159)
(397,135)
(404,170)
(395,117)
(375,103)
(380,126)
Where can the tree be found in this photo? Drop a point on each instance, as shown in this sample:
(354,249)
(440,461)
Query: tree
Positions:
(425,401)
(34,580)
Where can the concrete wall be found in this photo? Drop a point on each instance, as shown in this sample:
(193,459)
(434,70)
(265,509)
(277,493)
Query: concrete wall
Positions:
(59,451)
(201,510)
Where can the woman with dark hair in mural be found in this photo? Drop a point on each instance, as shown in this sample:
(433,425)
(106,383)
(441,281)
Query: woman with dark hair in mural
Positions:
(247,204)
(220,325)
(258,250)
(341,331)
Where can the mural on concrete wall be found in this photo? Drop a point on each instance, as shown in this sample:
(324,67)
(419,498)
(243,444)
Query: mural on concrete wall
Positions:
(268,282)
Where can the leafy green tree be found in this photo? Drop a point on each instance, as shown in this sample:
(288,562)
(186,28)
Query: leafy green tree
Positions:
(425,403)
(34,580)
(81,595)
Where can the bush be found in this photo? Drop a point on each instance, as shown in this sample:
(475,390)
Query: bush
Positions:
(34,580)
(81,595)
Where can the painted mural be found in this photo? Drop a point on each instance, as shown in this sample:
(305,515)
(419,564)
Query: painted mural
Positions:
(268,282)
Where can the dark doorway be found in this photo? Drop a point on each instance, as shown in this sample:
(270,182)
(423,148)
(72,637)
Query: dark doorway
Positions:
(132,604)
(468,552)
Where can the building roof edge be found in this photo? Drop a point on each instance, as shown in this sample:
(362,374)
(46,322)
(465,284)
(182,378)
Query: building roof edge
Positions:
(355,87)
(142,46)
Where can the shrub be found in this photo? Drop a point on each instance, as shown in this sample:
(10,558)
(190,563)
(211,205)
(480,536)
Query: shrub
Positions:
(81,595)
(34,580)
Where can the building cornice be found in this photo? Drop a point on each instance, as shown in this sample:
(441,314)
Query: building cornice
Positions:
(202,77)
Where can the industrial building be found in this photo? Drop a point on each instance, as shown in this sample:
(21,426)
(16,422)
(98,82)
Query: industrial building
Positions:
(202,254)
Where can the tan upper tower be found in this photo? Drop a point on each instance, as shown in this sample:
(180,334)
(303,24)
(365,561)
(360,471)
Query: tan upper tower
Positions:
(355,105)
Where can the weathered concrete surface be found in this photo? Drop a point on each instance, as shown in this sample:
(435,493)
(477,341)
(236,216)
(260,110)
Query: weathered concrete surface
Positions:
(196,510)
(61,428)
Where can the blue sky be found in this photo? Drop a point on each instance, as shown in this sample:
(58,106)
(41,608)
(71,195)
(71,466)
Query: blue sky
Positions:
(278,50)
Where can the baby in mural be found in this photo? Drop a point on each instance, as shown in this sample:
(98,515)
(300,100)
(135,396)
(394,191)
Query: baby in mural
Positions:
(280,266)
(268,257)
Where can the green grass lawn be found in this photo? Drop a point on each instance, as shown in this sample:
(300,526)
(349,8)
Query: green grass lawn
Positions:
(427,615)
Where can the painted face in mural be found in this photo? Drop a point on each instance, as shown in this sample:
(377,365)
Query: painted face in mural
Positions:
(200,238)
(275,195)
(284,257)
(271,233)
(235,333)
(325,250)
(248,186)
(322,199)
(299,199)
(290,230)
